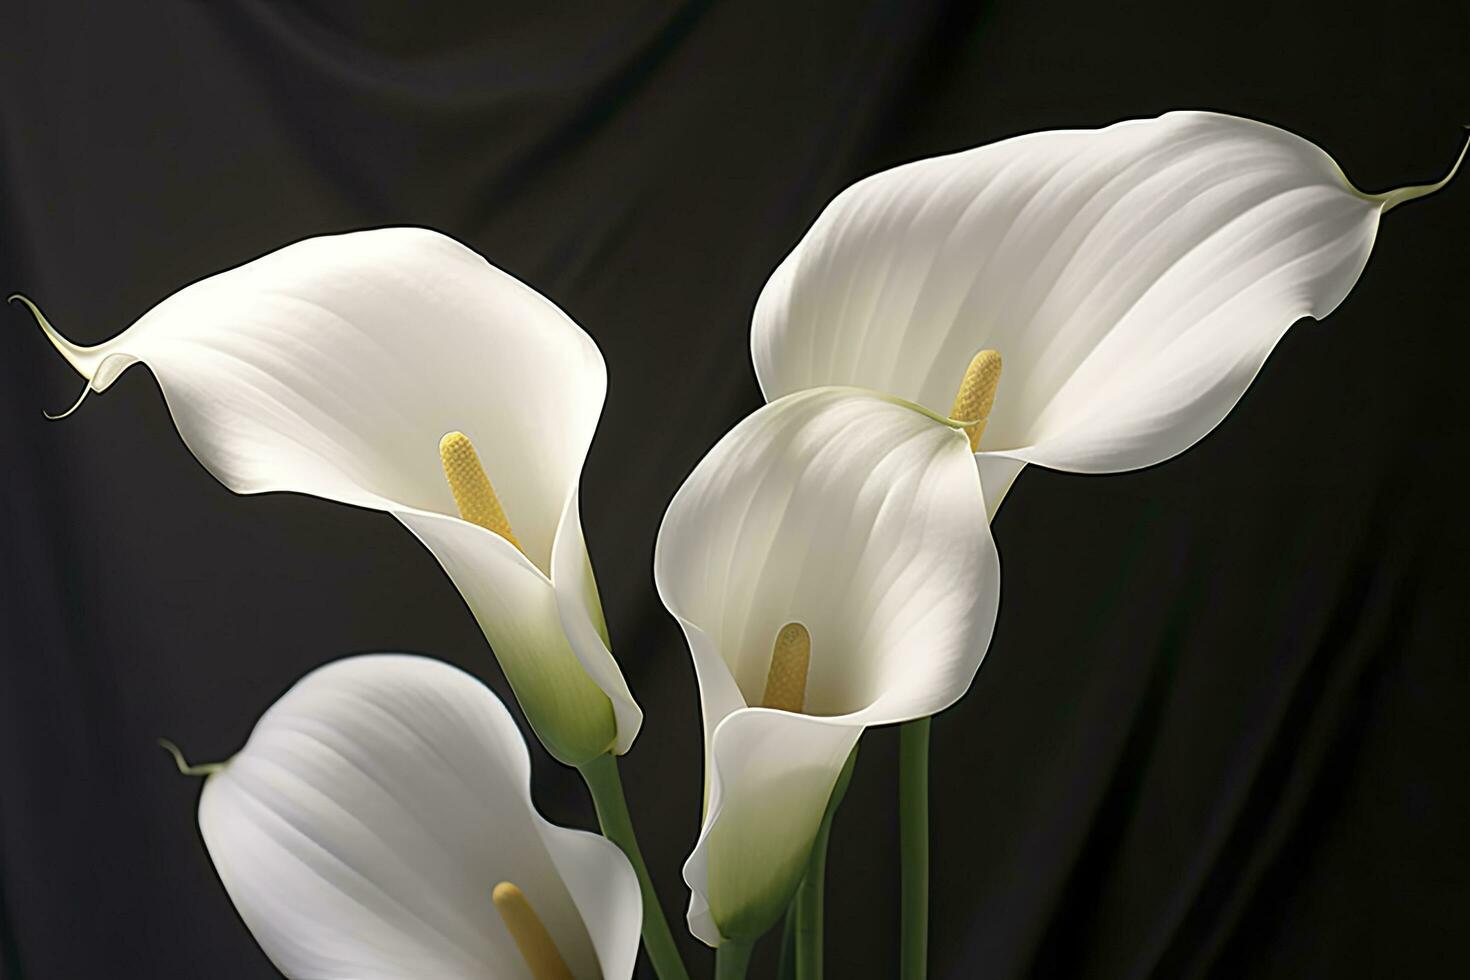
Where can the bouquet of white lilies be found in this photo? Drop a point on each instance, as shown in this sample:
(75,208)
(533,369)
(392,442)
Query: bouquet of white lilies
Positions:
(829,560)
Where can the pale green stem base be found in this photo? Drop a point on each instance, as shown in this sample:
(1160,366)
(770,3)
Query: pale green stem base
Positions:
(913,831)
(601,776)
(732,959)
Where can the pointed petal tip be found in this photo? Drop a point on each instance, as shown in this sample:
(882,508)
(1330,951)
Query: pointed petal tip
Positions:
(86,390)
(1402,195)
(29,304)
(183,764)
(82,359)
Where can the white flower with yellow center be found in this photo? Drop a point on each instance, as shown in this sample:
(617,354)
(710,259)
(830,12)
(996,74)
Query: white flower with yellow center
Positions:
(1134,279)
(829,572)
(397,370)
(378,825)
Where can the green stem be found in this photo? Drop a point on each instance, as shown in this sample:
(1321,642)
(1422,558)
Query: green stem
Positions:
(601,776)
(786,967)
(913,830)
(810,894)
(732,959)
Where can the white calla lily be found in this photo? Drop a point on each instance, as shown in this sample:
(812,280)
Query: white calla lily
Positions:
(335,367)
(378,825)
(829,572)
(1134,278)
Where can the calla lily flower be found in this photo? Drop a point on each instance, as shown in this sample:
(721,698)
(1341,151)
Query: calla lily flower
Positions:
(1134,278)
(828,571)
(397,370)
(378,825)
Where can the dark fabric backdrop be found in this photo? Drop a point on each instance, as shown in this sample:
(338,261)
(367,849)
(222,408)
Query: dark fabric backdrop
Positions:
(1219,732)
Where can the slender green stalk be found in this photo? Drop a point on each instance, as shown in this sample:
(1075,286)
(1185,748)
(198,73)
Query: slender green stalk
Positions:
(601,776)
(732,959)
(786,967)
(913,831)
(809,903)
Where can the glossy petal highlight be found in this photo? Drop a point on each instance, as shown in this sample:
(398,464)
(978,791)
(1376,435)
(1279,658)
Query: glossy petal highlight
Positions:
(1134,278)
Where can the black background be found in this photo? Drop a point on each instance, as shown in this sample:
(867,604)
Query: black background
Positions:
(1219,732)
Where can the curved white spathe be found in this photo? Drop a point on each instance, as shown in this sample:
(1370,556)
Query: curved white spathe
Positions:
(1133,278)
(860,517)
(375,806)
(333,366)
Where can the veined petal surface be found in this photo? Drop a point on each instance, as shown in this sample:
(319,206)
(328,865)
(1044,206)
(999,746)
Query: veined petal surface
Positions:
(363,826)
(862,518)
(1134,279)
(333,367)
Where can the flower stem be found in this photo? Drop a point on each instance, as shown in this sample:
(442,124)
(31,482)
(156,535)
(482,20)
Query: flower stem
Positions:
(809,902)
(732,959)
(601,776)
(913,830)
(786,967)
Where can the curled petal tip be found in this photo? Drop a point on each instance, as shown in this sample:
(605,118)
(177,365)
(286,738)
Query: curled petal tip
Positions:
(82,359)
(1392,199)
(203,769)
(86,389)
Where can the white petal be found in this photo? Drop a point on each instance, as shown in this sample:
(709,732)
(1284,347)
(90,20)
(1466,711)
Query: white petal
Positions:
(1133,278)
(372,811)
(333,367)
(611,905)
(581,618)
(997,474)
(862,518)
(771,776)
(517,609)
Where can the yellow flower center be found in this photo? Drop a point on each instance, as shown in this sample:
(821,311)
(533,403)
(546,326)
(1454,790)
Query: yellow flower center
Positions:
(786,679)
(977,394)
(529,933)
(473,493)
